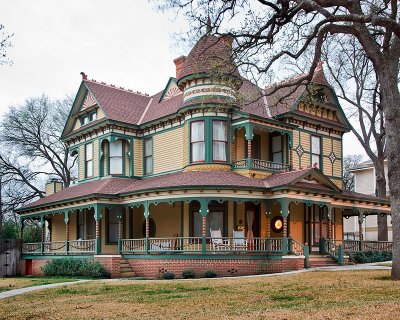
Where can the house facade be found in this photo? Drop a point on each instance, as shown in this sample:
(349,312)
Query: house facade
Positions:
(212,172)
(365,182)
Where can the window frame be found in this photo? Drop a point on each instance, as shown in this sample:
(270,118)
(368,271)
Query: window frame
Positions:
(198,141)
(107,223)
(119,156)
(145,156)
(316,154)
(87,161)
(219,141)
(271,147)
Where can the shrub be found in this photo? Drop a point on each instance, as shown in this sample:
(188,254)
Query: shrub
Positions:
(188,274)
(210,274)
(370,256)
(168,275)
(74,267)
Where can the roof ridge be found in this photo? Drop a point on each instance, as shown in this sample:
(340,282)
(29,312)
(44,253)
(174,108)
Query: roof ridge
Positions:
(118,88)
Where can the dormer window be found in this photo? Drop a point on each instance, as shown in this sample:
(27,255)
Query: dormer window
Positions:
(88,117)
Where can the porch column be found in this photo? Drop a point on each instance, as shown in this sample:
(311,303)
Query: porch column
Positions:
(204,212)
(146,217)
(42,224)
(268,213)
(120,224)
(360,226)
(249,148)
(329,228)
(285,231)
(97,218)
(284,213)
(66,220)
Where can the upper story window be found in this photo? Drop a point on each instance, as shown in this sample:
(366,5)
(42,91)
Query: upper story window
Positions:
(276,149)
(220,141)
(85,119)
(316,151)
(148,155)
(197,141)
(89,160)
(116,158)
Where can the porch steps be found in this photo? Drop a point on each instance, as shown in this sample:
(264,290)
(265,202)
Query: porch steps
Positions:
(316,261)
(125,269)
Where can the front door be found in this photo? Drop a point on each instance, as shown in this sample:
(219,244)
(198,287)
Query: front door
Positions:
(316,225)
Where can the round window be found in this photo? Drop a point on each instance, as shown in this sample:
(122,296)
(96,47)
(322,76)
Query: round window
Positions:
(277,224)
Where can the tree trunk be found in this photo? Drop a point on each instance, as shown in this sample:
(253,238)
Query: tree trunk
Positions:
(381,192)
(390,103)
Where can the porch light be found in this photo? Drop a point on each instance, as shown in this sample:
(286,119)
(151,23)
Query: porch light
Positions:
(277,224)
(382,214)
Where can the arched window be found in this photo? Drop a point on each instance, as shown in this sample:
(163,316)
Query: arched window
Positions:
(115,157)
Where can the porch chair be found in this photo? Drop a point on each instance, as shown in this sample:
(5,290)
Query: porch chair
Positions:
(218,244)
(239,240)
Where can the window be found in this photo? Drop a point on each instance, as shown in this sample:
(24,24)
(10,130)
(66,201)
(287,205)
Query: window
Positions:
(197,141)
(276,149)
(89,160)
(116,159)
(220,141)
(81,229)
(112,226)
(148,155)
(92,116)
(88,117)
(315,151)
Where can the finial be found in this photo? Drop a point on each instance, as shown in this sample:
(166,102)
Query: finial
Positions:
(84,76)
(209,28)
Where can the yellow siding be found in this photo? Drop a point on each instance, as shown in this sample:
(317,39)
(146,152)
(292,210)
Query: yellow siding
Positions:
(338,225)
(263,220)
(265,146)
(58,228)
(230,219)
(72,226)
(327,166)
(294,158)
(240,143)
(77,125)
(127,223)
(305,160)
(186,219)
(96,158)
(81,167)
(138,155)
(337,168)
(127,160)
(168,150)
(337,148)
(305,141)
(326,146)
(167,219)
(185,144)
(296,218)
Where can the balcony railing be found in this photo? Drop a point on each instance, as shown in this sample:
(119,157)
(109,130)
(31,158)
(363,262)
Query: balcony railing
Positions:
(71,247)
(258,164)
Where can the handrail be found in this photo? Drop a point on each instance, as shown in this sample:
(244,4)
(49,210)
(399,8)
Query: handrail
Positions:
(250,163)
(299,249)
(334,250)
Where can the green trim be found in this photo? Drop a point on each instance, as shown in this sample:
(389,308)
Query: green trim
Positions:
(148,135)
(199,256)
(171,80)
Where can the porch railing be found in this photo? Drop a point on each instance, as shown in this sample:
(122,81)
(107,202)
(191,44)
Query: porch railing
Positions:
(250,163)
(70,247)
(333,249)
(362,245)
(299,249)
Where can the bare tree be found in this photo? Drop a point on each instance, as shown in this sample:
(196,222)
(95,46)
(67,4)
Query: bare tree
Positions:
(4,44)
(31,150)
(265,32)
(355,81)
(349,162)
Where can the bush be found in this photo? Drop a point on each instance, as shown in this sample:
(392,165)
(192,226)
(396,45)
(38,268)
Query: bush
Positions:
(210,274)
(188,274)
(168,275)
(370,256)
(75,268)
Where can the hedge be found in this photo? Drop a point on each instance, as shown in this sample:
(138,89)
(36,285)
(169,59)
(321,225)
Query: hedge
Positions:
(74,267)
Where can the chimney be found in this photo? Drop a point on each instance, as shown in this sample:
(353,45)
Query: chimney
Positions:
(179,64)
(53,186)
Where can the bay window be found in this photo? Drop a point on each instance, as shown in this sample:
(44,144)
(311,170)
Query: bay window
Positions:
(89,160)
(220,140)
(115,157)
(197,141)
(148,155)
(315,151)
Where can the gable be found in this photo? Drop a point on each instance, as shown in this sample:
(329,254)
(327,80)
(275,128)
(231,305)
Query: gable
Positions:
(171,90)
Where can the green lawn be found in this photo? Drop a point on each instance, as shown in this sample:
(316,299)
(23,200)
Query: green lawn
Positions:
(312,295)
(22,282)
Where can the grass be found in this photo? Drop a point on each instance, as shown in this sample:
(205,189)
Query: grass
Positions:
(314,295)
(7,284)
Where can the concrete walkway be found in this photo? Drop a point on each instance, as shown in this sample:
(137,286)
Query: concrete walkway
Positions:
(19,291)
(366,266)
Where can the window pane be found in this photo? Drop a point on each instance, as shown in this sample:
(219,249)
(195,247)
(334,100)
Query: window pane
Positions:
(89,168)
(219,130)
(89,152)
(116,148)
(315,160)
(149,164)
(316,145)
(116,165)
(219,151)
(276,143)
(277,157)
(148,147)
(216,221)
(198,151)
(197,131)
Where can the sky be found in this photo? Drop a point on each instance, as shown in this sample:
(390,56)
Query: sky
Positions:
(126,43)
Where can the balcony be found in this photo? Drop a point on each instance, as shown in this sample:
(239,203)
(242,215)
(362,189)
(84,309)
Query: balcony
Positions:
(258,164)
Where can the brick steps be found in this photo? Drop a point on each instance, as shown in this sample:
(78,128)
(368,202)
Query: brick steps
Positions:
(316,261)
(125,269)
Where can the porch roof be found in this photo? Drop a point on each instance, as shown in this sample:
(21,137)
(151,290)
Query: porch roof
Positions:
(113,187)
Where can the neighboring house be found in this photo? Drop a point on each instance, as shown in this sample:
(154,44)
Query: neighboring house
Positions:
(207,170)
(365,182)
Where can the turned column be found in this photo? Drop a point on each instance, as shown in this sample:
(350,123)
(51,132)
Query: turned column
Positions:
(249,148)
(268,225)
(360,230)
(329,229)
(147,228)
(285,227)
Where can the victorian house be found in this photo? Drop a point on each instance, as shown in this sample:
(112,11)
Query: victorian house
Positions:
(211,172)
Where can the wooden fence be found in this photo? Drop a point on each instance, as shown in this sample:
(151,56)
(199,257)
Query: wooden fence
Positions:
(9,257)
